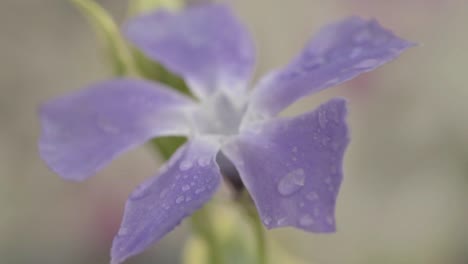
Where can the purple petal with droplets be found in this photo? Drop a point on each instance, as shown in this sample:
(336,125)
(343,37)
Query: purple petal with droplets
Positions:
(205,44)
(188,181)
(84,131)
(339,52)
(292,167)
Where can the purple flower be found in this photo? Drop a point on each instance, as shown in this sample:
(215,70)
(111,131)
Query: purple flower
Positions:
(292,167)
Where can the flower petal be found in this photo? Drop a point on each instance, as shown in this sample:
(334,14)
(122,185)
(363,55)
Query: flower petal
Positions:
(204,44)
(292,167)
(339,52)
(188,181)
(84,131)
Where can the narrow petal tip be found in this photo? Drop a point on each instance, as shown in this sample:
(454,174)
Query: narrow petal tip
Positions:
(158,205)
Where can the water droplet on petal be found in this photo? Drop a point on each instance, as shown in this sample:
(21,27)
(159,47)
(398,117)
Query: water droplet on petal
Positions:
(291,182)
(199,190)
(322,118)
(203,161)
(367,64)
(294,149)
(185,188)
(282,221)
(331,82)
(185,165)
(180,199)
(267,220)
(306,220)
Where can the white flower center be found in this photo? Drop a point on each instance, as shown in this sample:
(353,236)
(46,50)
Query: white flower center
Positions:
(220,114)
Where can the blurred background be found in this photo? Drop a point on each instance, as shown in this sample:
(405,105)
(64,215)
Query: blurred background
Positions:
(405,195)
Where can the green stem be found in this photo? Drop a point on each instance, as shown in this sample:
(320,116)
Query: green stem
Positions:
(202,225)
(261,241)
(257,227)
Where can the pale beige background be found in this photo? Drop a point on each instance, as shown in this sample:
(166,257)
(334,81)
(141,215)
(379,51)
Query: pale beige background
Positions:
(405,195)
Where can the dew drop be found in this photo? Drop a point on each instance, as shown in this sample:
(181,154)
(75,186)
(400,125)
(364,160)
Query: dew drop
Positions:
(180,199)
(185,165)
(188,198)
(291,182)
(322,118)
(185,187)
(199,190)
(294,149)
(267,220)
(366,64)
(282,221)
(203,161)
(306,220)
(331,82)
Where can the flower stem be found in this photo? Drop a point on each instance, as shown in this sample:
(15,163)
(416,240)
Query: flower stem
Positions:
(203,226)
(260,238)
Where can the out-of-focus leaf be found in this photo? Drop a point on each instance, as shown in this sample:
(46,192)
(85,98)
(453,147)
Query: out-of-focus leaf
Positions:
(152,70)
(107,30)
(168,145)
(141,6)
